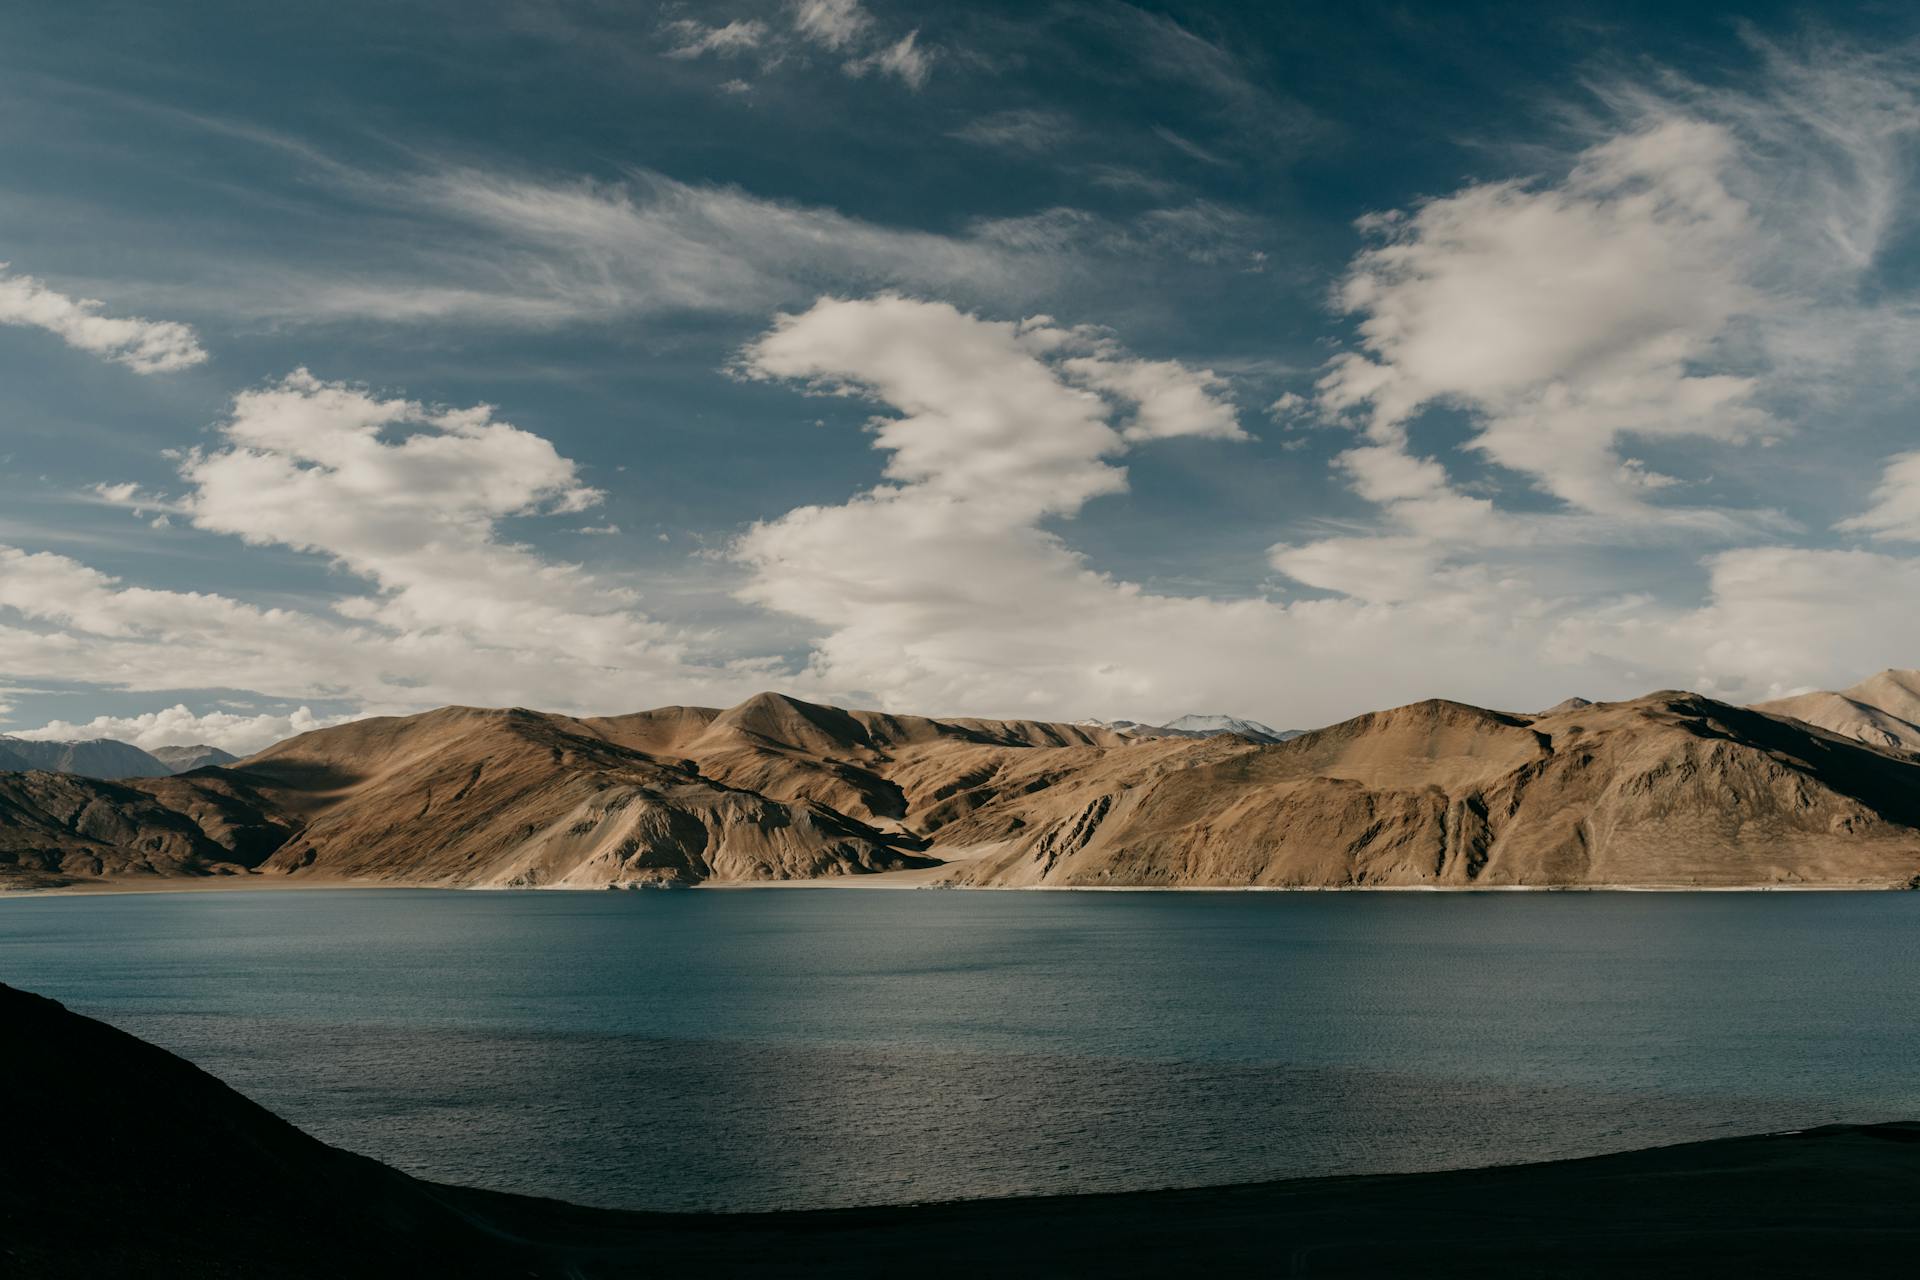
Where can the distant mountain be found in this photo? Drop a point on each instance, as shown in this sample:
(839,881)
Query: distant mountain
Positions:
(1194,727)
(95,758)
(1207,726)
(198,756)
(1883,710)
(11,762)
(1568,704)
(1668,790)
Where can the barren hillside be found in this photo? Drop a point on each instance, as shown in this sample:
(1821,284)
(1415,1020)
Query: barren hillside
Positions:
(1671,790)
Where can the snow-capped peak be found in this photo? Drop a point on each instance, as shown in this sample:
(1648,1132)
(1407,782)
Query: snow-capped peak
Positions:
(1209,725)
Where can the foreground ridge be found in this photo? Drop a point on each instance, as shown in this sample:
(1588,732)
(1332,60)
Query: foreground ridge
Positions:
(185,1177)
(1671,790)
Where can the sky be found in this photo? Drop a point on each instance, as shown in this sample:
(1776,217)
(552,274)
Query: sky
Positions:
(1054,360)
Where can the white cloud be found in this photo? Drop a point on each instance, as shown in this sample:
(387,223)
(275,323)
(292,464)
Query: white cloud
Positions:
(949,588)
(548,253)
(1693,273)
(1895,513)
(832,23)
(1378,570)
(178,726)
(408,497)
(904,59)
(409,501)
(940,589)
(842,27)
(1188,147)
(1778,620)
(145,346)
(1564,316)
(1024,129)
(694,39)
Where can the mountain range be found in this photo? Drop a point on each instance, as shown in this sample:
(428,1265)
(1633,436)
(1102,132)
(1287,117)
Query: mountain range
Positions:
(1195,727)
(106,758)
(1671,790)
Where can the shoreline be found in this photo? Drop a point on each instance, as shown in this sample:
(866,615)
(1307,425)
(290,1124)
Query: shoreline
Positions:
(874,883)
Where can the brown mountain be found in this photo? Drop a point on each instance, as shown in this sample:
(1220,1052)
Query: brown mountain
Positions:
(1883,710)
(1672,789)
(1668,790)
(518,798)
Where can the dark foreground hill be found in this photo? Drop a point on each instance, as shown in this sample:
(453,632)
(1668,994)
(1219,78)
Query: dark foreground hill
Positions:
(120,1159)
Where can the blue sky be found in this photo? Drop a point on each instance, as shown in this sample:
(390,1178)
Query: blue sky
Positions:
(1054,360)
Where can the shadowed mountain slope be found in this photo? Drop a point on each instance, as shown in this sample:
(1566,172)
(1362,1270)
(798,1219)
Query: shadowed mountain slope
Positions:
(157,1169)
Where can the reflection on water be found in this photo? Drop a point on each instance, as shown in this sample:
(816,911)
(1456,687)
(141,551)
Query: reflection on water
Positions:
(804,1048)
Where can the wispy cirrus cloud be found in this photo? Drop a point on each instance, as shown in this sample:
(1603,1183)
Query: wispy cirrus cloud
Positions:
(514,251)
(1021,129)
(840,28)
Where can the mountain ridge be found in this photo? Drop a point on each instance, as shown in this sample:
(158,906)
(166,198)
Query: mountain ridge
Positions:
(1669,790)
(106,758)
(1883,709)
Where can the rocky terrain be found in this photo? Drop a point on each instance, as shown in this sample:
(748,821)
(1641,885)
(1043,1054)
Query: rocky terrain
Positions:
(1669,790)
(162,1170)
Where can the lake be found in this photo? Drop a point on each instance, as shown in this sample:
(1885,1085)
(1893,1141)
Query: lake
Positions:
(800,1047)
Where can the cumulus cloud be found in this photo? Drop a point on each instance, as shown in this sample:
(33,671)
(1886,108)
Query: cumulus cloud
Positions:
(1895,513)
(408,501)
(409,497)
(951,585)
(178,726)
(145,346)
(1777,620)
(1692,272)
(945,587)
(1565,317)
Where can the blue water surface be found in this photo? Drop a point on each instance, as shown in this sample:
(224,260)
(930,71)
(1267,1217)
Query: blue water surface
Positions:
(788,1048)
